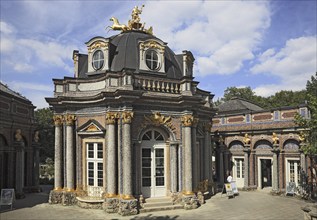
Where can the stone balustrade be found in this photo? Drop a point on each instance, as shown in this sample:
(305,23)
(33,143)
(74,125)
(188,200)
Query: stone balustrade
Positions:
(157,85)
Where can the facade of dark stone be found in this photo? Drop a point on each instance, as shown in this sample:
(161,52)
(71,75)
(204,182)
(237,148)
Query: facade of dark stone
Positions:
(259,148)
(19,143)
(131,125)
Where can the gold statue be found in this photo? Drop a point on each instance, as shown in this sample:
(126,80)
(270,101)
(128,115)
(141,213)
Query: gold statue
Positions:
(302,137)
(135,14)
(246,139)
(116,26)
(275,138)
(133,23)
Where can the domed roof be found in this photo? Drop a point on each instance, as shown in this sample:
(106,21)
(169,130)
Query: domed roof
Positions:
(124,54)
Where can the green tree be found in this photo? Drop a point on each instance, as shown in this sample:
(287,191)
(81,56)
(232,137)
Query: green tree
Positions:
(286,98)
(310,133)
(44,118)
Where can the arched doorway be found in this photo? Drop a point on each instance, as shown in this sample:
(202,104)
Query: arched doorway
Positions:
(237,160)
(153,166)
(264,163)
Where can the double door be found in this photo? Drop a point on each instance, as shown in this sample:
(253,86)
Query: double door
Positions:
(153,170)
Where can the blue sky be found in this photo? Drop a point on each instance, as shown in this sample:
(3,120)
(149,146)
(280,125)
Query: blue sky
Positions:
(268,45)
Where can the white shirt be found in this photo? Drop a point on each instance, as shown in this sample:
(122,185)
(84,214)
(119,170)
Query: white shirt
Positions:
(229,179)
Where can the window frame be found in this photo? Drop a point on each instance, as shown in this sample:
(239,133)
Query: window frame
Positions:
(95,160)
(158,60)
(99,60)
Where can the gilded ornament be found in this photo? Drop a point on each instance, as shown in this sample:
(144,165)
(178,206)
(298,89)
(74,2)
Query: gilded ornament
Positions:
(98,44)
(18,135)
(153,45)
(187,120)
(69,119)
(58,120)
(275,138)
(302,137)
(133,23)
(158,119)
(92,127)
(246,139)
(111,117)
(36,136)
(127,117)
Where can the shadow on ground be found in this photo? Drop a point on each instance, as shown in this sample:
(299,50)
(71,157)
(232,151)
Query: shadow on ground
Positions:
(30,200)
(166,217)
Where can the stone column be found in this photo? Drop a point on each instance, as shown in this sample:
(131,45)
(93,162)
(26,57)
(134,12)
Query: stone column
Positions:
(194,154)
(275,151)
(120,161)
(58,157)
(127,156)
(19,175)
(221,169)
(187,122)
(226,163)
(36,147)
(246,151)
(70,157)
(173,165)
(111,155)
(302,157)
(207,154)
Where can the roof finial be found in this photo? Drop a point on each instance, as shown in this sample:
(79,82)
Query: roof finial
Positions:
(133,23)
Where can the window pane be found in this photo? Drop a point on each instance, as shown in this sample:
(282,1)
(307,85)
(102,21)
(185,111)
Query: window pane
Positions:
(100,182)
(100,166)
(146,181)
(100,174)
(159,153)
(90,181)
(100,154)
(159,162)
(159,181)
(90,146)
(159,172)
(99,146)
(90,173)
(90,165)
(146,152)
(146,172)
(146,162)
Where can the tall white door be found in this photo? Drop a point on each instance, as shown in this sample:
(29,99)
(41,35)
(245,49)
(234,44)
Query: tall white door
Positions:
(238,171)
(153,168)
(293,171)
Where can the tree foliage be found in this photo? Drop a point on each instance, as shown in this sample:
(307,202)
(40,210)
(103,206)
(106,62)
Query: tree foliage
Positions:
(279,99)
(310,123)
(44,118)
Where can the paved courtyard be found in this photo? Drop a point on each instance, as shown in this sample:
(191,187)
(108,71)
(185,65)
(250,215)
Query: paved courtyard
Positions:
(248,205)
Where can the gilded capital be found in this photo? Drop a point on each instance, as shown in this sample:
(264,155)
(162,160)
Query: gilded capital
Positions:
(69,119)
(127,117)
(58,120)
(187,120)
(111,117)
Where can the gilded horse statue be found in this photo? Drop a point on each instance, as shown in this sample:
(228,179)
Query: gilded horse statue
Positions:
(116,26)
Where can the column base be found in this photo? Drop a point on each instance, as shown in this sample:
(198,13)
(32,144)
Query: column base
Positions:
(55,197)
(190,202)
(111,205)
(69,198)
(128,207)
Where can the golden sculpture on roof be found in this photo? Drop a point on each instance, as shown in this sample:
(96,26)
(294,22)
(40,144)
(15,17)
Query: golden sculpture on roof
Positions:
(133,23)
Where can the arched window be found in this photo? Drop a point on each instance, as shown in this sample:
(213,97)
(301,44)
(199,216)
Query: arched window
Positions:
(153,136)
(152,60)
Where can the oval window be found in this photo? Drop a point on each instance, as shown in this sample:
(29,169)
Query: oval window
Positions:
(97,60)
(152,59)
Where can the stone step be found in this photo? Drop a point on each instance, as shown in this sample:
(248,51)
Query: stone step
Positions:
(158,204)
(161,208)
(158,199)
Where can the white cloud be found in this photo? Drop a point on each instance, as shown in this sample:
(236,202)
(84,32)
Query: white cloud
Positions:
(34,53)
(6,28)
(293,65)
(222,35)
